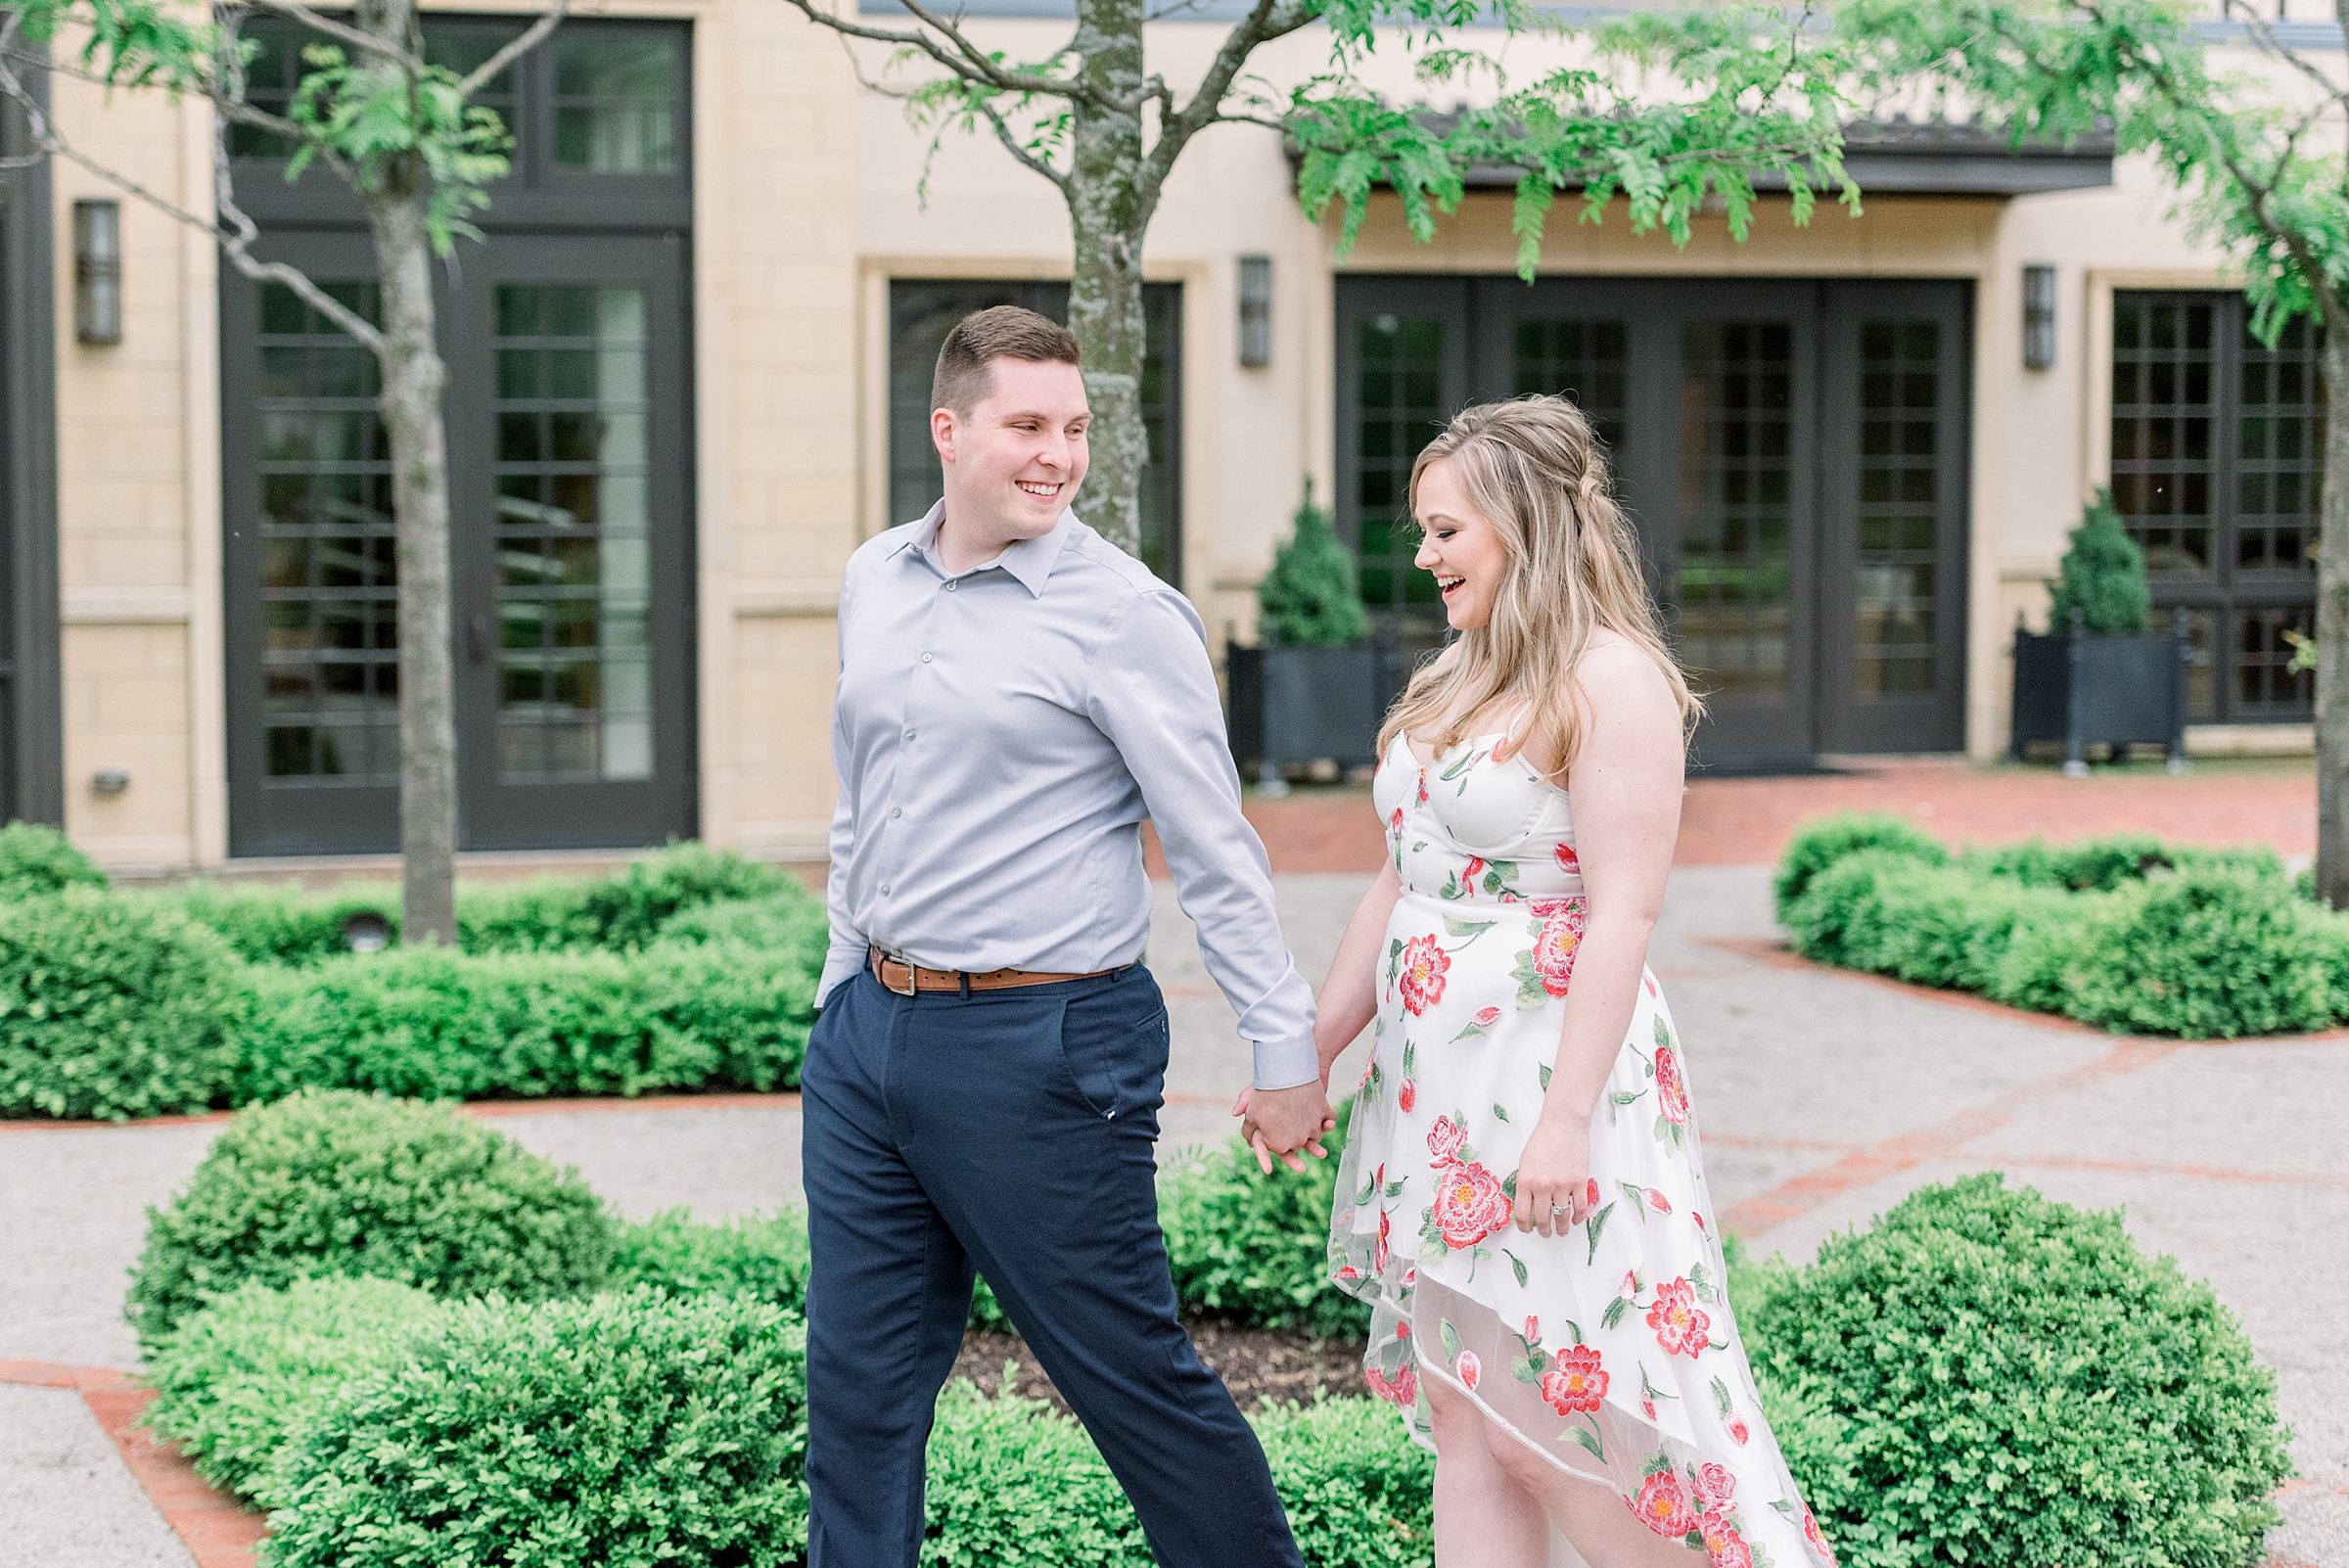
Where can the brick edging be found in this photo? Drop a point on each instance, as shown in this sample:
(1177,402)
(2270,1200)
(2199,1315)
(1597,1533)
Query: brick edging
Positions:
(218,1531)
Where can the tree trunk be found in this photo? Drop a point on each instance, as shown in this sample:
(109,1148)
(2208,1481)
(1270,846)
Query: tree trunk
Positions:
(1105,291)
(413,378)
(2332,624)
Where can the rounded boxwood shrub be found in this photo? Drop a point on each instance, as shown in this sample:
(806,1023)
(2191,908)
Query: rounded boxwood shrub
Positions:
(1819,844)
(624,910)
(1359,1492)
(35,859)
(337,1183)
(624,1431)
(1255,1248)
(1986,1377)
(238,1379)
(1013,1483)
(760,1256)
(112,1008)
(271,923)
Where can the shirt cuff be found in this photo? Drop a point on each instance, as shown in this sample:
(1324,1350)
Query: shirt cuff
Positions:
(1287,1063)
(840,963)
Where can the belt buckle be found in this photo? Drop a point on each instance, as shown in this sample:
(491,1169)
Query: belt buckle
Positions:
(913,976)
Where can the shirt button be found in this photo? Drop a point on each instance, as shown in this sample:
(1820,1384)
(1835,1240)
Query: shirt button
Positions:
(925,659)
(951,586)
(897,810)
(884,889)
(909,734)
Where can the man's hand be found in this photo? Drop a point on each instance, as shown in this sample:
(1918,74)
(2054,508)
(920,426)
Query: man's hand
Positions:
(1281,1121)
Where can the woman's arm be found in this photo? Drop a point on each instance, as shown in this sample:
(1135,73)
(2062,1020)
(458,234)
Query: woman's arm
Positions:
(1625,788)
(1349,999)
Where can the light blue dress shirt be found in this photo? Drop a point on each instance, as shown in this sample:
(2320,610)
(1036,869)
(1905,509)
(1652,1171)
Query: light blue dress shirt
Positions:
(1000,735)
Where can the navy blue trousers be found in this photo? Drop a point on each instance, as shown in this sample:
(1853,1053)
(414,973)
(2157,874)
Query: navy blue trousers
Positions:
(1011,1130)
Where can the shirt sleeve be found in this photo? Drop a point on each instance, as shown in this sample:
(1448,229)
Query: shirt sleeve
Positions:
(1152,692)
(848,950)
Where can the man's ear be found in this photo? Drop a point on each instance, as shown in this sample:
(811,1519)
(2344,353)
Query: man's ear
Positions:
(943,429)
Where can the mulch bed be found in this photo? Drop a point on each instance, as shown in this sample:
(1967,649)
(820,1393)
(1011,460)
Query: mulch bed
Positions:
(1259,1366)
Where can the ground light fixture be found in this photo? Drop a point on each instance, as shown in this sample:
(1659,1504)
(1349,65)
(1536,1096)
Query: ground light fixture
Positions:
(366,931)
(98,271)
(1256,311)
(2039,316)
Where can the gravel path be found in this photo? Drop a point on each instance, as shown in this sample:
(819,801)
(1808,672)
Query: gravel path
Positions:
(1823,1098)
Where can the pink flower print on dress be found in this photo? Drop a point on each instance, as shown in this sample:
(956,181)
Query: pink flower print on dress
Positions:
(1680,1328)
(1556,944)
(1698,1217)
(1576,1384)
(1469,1205)
(1727,1549)
(1424,962)
(1445,1140)
(1713,1487)
(1590,1195)
(1533,1331)
(1469,1369)
(1738,1430)
(1349,1271)
(1400,1391)
(1657,1203)
(1663,1507)
(1486,1017)
(1423,786)
(1406,1095)
(1378,1254)
(1672,1095)
(1819,1543)
(1568,862)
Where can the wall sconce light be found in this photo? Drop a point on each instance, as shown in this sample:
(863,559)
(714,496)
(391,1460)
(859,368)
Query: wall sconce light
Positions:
(2039,316)
(1256,310)
(108,782)
(98,271)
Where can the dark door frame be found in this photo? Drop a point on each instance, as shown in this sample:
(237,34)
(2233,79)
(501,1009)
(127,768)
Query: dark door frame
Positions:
(317,216)
(32,784)
(1479,315)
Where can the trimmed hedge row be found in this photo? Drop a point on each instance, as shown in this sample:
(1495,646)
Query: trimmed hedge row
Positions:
(686,970)
(1982,1376)
(2125,933)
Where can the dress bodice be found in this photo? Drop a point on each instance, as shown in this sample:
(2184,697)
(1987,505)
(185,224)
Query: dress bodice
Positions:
(1476,824)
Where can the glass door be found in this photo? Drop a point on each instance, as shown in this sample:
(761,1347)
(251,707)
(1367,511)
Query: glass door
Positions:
(575,552)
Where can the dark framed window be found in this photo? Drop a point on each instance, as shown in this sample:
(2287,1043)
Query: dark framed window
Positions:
(923,310)
(565,331)
(2217,453)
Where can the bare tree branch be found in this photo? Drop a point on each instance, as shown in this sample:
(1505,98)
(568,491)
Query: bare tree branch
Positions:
(295,11)
(966,60)
(1012,143)
(514,48)
(235,244)
(2265,32)
(1268,20)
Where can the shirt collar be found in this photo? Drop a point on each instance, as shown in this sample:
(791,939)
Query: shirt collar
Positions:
(1029,560)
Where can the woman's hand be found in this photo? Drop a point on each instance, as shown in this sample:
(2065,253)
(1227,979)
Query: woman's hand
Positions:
(1553,1175)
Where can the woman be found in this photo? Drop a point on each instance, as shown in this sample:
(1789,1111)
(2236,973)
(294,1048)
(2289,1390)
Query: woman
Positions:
(1521,1197)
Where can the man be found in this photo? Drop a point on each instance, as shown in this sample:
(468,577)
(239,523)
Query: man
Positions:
(982,1083)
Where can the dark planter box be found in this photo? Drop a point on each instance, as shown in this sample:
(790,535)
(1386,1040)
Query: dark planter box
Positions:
(2083,691)
(1307,705)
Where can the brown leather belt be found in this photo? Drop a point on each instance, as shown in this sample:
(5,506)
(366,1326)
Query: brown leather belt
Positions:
(906,979)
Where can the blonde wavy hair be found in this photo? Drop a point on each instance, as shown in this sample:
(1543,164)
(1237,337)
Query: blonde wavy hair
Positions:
(1534,471)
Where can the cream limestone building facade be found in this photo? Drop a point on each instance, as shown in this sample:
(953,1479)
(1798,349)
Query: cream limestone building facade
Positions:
(800,256)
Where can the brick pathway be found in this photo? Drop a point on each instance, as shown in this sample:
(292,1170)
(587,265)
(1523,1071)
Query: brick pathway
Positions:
(1747,821)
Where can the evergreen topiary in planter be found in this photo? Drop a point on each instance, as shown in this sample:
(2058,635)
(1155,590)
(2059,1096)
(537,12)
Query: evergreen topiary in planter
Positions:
(1313,687)
(2101,676)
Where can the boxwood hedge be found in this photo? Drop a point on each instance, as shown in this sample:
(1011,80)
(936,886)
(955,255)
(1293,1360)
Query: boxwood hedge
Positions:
(1986,1377)
(2123,934)
(330,1182)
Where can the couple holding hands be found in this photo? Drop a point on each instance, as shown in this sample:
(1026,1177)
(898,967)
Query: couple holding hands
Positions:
(1520,1197)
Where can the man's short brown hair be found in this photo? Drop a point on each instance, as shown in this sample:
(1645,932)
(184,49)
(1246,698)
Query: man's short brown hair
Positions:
(1000,332)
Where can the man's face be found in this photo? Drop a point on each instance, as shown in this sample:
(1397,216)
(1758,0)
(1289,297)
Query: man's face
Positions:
(1013,464)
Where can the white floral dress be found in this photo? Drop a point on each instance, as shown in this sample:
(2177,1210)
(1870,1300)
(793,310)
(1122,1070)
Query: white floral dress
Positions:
(1610,1350)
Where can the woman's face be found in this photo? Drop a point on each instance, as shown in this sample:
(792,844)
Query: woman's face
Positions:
(1459,546)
